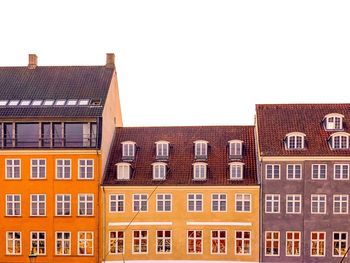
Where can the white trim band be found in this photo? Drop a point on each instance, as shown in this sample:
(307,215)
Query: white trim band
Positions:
(219,223)
(140,223)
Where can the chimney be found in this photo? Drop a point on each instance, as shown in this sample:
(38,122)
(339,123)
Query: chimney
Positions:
(110,60)
(33,61)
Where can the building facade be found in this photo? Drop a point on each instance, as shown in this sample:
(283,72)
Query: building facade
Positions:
(304,159)
(56,125)
(181,193)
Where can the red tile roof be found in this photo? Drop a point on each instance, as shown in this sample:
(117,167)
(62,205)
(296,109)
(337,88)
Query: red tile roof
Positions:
(274,121)
(181,154)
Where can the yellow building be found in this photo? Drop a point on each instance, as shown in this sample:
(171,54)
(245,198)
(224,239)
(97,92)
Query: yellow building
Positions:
(181,193)
(56,126)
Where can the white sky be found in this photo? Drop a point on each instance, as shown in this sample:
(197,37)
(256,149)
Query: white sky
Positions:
(187,62)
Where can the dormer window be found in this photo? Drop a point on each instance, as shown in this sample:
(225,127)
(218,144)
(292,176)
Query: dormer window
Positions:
(123,171)
(236,170)
(162,150)
(128,150)
(334,121)
(295,140)
(235,149)
(159,171)
(201,150)
(339,140)
(199,171)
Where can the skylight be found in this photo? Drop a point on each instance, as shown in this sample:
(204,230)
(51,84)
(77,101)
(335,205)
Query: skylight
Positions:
(83,102)
(72,102)
(3,102)
(25,102)
(37,102)
(48,102)
(13,102)
(60,102)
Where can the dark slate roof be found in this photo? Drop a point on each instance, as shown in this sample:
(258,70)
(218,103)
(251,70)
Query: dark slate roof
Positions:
(181,154)
(54,82)
(275,121)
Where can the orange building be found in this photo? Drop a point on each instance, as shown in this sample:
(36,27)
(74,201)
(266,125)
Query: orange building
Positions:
(56,127)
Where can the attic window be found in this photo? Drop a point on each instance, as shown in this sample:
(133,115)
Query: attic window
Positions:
(295,140)
(95,102)
(13,102)
(123,171)
(159,171)
(236,170)
(60,102)
(37,102)
(200,171)
(72,102)
(25,102)
(201,150)
(235,148)
(3,102)
(339,140)
(162,150)
(83,102)
(334,121)
(128,150)
(48,102)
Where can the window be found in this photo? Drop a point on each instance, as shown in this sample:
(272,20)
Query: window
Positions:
(86,169)
(38,243)
(140,241)
(201,150)
(38,169)
(293,171)
(63,169)
(272,243)
(37,102)
(83,102)
(340,204)
(77,134)
(319,171)
(318,204)
(334,121)
(159,171)
(243,202)
(48,102)
(292,243)
(63,243)
(194,241)
(3,102)
(341,172)
(13,103)
(8,135)
(163,202)
(339,140)
(13,243)
(116,242)
(13,169)
(37,205)
(295,140)
(272,171)
(123,171)
(242,245)
(218,242)
(235,148)
(86,205)
(72,102)
(272,203)
(63,204)
(60,102)
(86,243)
(116,203)
(199,171)
(162,150)
(13,205)
(340,243)
(128,150)
(318,244)
(236,171)
(24,102)
(140,202)
(163,241)
(293,204)
(57,134)
(218,202)
(27,134)
(195,202)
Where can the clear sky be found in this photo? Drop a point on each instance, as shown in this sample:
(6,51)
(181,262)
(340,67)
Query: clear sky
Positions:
(188,62)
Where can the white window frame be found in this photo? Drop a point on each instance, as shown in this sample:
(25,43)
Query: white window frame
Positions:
(63,240)
(64,202)
(293,240)
(14,240)
(200,171)
(318,243)
(319,196)
(318,171)
(273,166)
(162,150)
(218,240)
(140,238)
(13,203)
(235,148)
(115,240)
(38,240)
(275,198)
(37,168)
(341,202)
(330,125)
(140,202)
(201,149)
(85,166)
(63,166)
(159,170)
(294,169)
(85,241)
(338,137)
(117,201)
(164,239)
(194,238)
(128,149)
(85,203)
(218,198)
(339,240)
(37,203)
(244,198)
(243,239)
(12,166)
(272,241)
(294,200)
(293,139)
(195,200)
(161,199)
(236,170)
(341,166)
(123,171)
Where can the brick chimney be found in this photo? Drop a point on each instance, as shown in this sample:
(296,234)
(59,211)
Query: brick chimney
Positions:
(33,61)
(110,60)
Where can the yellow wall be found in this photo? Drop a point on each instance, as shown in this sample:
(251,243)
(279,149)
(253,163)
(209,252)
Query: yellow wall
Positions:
(179,218)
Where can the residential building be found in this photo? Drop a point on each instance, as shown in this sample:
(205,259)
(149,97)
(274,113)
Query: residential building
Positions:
(56,126)
(181,193)
(304,158)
